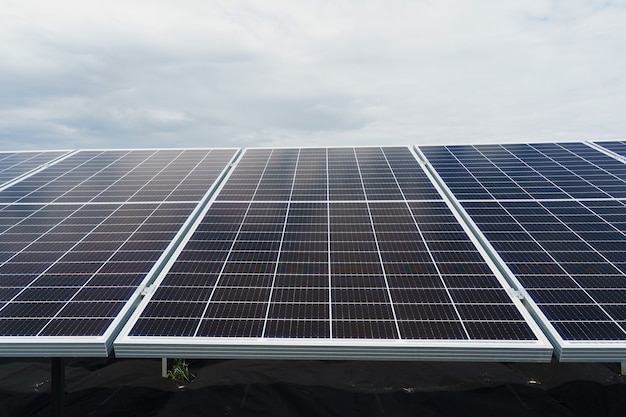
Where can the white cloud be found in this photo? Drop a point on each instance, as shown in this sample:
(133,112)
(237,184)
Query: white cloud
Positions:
(222,73)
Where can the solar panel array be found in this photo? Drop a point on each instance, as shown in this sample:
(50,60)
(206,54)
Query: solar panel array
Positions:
(315,252)
(79,238)
(556,215)
(16,164)
(330,252)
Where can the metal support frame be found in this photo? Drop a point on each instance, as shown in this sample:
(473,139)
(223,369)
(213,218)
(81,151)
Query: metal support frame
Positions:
(164,367)
(623,368)
(57,386)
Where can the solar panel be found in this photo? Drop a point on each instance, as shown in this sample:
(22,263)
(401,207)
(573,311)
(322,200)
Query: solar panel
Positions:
(556,216)
(122,176)
(13,165)
(80,239)
(330,253)
(617,147)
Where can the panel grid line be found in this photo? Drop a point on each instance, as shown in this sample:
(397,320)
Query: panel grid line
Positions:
(86,284)
(136,167)
(328,246)
(180,182)
(380,258)
(280,247)
(116,251)
(11,170)
(594,164)
(559,263)
(210,297)
(69,172)
(432,259)
(523,162)
(471,174)
(51,265)
(572,172)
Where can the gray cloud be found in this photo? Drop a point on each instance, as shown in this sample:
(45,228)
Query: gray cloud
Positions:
(198,73)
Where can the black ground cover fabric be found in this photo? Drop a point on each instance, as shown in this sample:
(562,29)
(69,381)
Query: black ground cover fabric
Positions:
(102,387)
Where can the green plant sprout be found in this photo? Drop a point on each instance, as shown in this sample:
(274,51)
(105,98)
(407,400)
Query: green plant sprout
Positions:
(180,371)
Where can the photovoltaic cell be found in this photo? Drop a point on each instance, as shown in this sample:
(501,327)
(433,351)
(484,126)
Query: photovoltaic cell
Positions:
(15,164)
(619,147)
(555,213)
(79,238)
(122,176)
(336,174)
(53,272)
(331,245)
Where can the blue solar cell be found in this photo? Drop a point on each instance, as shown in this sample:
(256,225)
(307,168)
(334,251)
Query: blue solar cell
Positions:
(75,266)
(619,147)
(589,330)
(572,229)
(15,164)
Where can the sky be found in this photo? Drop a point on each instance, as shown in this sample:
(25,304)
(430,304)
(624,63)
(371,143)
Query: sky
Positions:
(186,73)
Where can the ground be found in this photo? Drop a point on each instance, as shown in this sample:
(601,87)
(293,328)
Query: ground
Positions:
(134,387)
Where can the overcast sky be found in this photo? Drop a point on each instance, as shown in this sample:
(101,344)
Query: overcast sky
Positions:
(83,74)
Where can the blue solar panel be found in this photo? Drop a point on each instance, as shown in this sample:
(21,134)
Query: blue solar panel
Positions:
(618,147)
(15,164)
(555,214)
(121,176)
(539,171)
(79,239)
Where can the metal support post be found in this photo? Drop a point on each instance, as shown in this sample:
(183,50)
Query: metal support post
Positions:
(164,367)
(57,387)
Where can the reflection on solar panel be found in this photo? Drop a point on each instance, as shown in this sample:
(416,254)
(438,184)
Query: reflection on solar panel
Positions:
(78,239)
(330,253)
(15,164)
(618,147)
(122,176)
(556,215)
